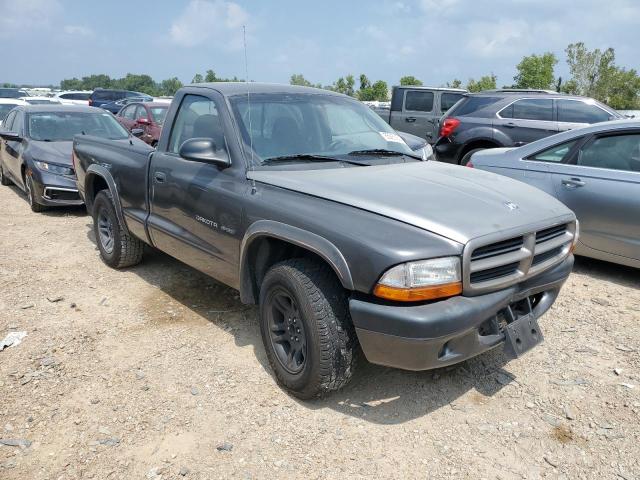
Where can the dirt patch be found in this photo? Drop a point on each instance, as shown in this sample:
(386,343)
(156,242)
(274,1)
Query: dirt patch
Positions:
(158,370)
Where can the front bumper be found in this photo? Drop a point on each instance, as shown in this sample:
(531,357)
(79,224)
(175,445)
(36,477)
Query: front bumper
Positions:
(449,331)
(52,190)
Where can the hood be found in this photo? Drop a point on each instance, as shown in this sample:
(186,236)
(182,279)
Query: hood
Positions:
(455,202)
(54,152)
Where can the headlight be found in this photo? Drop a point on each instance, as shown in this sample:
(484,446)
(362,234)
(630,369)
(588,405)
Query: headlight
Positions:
(422,280)
(51,168)
(426,152)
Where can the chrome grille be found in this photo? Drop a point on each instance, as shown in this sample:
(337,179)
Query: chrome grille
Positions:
(505,261)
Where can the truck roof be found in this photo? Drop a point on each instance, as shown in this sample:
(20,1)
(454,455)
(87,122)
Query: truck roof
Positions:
(424,87)
(238,88)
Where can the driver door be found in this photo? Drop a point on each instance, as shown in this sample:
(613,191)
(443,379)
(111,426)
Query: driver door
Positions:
(195,207)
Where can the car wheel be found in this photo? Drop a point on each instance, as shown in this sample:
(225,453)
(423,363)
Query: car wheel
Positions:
(306,328)
(4,180)
(31,195)
(468,155)
(117,248)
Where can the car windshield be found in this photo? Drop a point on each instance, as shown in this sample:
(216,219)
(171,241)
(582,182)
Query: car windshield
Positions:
(158,114)
(63,126)
(289,125)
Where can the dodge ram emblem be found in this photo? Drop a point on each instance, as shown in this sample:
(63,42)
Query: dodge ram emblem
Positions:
(511,205)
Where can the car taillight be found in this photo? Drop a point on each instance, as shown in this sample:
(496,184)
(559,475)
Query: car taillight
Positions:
(448,126)
(90,102)
(470,164)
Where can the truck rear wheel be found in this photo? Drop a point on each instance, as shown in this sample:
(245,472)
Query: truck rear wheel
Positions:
(117,248)
(306,328)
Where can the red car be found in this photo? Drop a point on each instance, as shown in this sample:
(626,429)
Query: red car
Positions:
(147,116)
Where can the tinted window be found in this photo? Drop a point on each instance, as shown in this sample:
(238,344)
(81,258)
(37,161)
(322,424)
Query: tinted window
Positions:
(159,113)
(63,126)
(128,112)
(448,100)
(555,154)
(197,118)
(619,152)
(473,104)
(5,108)
(11,93)
(532,109)
(141,113)
(580,112)
(18,123)
(9,122)
(418,101)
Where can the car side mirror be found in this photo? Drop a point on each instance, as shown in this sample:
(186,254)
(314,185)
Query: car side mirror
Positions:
(203,150)
(10,136)
(144,121)
(137,132)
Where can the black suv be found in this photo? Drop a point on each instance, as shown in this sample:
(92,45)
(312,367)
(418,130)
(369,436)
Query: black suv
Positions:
(102,96)
(510,118)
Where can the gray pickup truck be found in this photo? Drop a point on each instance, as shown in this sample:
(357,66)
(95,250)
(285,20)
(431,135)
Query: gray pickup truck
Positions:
(417,110)
(312,207)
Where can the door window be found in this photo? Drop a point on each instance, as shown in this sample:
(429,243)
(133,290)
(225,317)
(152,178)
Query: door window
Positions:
(418,101)
(529,109)
(18,123)
(197,117)
(555,154)
(8,123)
(577,111)
(616,152)
(128,112)
(141,113)
(448,100)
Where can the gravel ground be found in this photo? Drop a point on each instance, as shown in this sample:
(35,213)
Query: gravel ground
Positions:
(159,372)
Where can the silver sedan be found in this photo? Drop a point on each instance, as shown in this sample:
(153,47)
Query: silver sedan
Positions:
(595,171)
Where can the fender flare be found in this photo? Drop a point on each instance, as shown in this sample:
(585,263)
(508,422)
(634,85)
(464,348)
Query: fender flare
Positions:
(296,236)
(96,170)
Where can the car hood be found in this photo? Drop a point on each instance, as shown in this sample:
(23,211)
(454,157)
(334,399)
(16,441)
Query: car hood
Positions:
(452,201)
(54,152)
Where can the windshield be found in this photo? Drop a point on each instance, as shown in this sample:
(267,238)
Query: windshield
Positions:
(63,126)
(291,124)
(158,114)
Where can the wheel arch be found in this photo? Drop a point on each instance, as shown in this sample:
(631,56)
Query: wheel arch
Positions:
(481,142)
(98,178)
(267,242)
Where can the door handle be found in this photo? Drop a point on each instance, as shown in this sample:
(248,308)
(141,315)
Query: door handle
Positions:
(410,119)
(510,125)
(159,177)
(573,182)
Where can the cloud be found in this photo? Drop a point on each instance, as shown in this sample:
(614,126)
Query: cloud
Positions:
(19,16)
(205,20)
(78,30)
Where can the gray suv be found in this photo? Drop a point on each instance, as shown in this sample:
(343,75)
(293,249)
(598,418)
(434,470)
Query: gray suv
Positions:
(511,118)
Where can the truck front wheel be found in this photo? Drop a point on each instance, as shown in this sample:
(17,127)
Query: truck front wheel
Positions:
(306,328)
(117,248)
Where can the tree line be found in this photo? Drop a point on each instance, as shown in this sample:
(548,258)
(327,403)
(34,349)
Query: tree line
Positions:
(593,73)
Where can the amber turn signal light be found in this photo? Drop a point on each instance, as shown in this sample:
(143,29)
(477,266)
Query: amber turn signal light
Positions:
(418,294)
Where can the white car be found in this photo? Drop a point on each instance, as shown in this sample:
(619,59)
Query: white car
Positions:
(7,104)
(41,100)
(73,97)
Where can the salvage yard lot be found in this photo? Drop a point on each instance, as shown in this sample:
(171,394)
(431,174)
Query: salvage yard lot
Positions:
(159,372)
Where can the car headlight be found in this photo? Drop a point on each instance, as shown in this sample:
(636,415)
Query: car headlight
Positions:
(52,168)
(421,280)
(426,152)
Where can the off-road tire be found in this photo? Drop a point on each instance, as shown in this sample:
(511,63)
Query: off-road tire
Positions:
(31,195)
(4,180)
(332,345)
(126,250)
(467,156)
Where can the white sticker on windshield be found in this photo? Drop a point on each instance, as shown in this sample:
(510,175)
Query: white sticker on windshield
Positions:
(391,137)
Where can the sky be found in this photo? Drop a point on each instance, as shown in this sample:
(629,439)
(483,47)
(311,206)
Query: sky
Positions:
(45,41)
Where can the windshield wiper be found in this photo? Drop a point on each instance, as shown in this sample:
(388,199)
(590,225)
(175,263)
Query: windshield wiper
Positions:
(307,156)
(383,153)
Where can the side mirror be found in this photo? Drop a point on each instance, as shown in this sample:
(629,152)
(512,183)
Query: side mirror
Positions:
(10,136)
(203,150)
(144,121)
(137,132)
